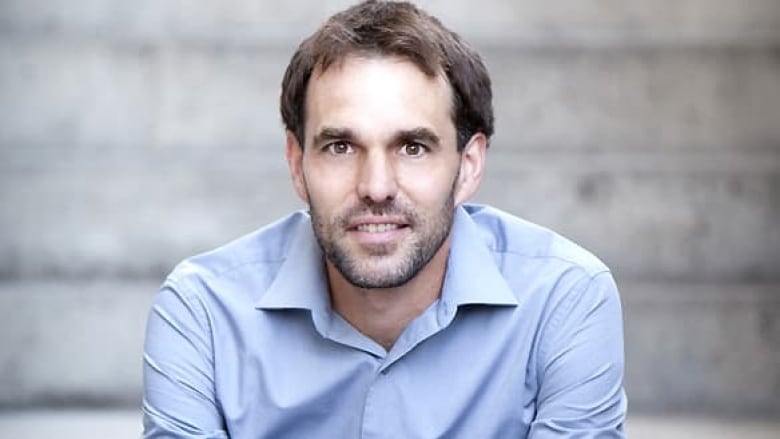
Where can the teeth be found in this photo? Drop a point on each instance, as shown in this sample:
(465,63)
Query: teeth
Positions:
(377,228)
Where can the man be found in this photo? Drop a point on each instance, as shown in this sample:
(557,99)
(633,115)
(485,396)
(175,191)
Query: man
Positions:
(390,308)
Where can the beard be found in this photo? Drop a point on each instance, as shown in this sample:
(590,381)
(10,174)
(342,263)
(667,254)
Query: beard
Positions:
(384,266)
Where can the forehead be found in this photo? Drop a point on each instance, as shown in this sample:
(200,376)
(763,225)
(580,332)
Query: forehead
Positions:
(377,95)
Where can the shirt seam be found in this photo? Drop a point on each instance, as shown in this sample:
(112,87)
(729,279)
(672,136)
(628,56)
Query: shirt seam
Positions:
(217,274)
(191,293)
(557,317)
(600,267)
(244,264)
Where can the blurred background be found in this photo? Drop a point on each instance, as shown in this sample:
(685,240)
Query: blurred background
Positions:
(134,134)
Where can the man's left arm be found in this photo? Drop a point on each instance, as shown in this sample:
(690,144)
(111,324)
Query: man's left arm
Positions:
(581,365)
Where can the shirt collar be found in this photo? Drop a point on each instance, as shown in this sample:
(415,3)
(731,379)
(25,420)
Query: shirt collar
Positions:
(472,277)
(301,282)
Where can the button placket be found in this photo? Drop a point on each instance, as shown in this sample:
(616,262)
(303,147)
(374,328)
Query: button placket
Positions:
(372,426)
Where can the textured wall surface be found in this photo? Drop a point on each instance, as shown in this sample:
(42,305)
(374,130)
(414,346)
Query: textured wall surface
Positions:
(133,134)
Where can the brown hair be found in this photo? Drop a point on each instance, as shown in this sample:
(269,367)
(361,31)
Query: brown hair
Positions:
(393,29)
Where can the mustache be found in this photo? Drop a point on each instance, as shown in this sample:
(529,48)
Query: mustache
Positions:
(381,208)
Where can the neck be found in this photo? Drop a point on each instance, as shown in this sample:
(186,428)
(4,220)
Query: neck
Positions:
(382,314)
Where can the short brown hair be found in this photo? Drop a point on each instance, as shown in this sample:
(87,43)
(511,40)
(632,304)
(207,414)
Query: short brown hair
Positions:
(393,29)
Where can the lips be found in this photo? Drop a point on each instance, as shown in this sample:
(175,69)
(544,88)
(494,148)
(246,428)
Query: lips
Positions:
(378,227)
(378,235)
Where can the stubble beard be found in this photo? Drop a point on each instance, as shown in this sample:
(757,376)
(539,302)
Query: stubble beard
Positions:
(430,235)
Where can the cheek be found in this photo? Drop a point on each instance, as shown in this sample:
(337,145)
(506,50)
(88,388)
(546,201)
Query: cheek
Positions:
(430,188)
(327,188)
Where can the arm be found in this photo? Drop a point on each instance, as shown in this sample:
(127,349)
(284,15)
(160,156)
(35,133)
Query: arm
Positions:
(179,397)
(581,365)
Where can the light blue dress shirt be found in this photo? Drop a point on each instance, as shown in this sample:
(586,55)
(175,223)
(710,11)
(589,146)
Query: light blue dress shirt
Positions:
(526,340)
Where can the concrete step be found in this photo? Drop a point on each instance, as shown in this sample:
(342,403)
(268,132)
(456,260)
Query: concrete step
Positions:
(128,212)
(172,150)
(163,96)
(126,424)
(703,348)
(688,216)
(681,427)
(72,343)
(690,348)
(528,22)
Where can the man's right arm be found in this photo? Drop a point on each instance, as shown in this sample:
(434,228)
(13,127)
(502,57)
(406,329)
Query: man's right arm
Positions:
(179,396)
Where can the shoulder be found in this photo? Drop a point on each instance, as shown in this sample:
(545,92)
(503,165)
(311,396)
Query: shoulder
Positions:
(516,240)
(248,260)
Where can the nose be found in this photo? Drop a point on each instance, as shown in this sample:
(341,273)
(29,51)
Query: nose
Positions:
(377,179)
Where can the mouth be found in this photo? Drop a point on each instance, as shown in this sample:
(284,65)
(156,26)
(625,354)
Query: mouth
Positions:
(379,227)
(378,231)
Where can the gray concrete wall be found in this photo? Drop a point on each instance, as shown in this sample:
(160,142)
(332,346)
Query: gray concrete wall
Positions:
(135,134)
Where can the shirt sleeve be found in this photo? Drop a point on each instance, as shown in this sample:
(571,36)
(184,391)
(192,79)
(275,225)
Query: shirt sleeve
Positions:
(581,372)
(178,369)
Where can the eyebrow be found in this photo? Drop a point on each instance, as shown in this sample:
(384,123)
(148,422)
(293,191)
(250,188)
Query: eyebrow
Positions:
(419,134)
(329,134)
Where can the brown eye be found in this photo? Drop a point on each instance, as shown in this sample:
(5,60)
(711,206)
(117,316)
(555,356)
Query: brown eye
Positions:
(339,148)
(413,149)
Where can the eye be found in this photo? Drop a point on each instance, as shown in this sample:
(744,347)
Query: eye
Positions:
(339,148)
(413,149)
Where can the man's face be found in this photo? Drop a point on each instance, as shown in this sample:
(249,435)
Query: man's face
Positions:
(380,168)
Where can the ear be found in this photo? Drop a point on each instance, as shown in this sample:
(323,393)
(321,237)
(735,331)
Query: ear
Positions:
(472,166)
(294,153)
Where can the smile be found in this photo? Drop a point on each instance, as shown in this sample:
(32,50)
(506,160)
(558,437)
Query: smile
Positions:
(377,228)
